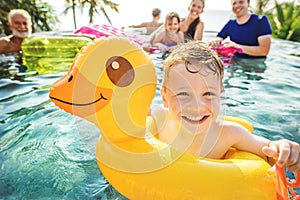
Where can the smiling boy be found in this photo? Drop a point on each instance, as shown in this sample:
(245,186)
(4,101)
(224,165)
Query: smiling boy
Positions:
(189,119)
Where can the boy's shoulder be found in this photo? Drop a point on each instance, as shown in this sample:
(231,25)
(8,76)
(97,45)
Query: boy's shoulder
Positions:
(232,128)
(158,112)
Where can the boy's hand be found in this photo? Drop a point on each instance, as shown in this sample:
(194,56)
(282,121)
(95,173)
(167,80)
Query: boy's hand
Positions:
(286,152)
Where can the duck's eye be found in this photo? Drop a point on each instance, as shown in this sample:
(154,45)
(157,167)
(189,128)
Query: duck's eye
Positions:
(119,71)
(70,78)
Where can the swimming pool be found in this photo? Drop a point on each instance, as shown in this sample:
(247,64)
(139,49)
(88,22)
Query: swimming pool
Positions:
(47,153)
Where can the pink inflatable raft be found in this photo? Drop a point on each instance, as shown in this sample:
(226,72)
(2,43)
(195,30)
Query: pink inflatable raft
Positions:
(226,53)
(104,30)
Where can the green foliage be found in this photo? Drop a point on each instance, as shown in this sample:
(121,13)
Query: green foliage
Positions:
(94,7)
(260,6)
(285,21)
(72,6)
(43,18)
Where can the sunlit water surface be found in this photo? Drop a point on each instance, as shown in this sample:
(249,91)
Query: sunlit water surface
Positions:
(46,153)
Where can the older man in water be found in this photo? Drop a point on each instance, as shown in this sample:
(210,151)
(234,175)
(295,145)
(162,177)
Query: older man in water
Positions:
(19,22)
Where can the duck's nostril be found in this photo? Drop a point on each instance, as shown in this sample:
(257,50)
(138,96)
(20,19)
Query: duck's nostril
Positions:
(70,78)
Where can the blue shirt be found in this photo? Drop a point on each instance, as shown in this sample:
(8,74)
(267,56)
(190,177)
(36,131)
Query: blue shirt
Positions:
(247,33)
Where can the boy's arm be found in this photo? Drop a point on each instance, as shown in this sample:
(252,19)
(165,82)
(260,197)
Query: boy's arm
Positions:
(245,141)
(284,153)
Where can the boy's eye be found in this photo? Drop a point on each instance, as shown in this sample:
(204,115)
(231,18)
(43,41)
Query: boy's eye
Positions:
(182,94)
(209,94)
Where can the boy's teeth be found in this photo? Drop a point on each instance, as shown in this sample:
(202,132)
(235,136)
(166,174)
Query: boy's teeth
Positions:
(194,118)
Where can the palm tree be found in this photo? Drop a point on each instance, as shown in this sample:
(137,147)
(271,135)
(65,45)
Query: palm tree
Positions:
(95,4)
(285,21)
(94,7)
(73,7)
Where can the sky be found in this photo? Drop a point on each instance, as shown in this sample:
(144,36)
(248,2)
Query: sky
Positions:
(133,11)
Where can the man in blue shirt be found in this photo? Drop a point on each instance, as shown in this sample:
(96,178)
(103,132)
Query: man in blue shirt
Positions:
(250,32)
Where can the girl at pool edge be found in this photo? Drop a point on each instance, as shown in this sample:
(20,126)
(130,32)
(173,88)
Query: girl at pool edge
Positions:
(189,119)
(171,35)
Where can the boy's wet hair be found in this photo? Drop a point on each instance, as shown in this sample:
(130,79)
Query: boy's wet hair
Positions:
(198,58)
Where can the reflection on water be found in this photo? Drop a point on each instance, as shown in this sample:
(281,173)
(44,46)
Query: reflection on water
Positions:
(47,153)
(252,69)
(266,92)
(11,65)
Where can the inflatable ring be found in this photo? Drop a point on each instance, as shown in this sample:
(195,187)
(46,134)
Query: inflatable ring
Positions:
(227,51)
(104,30)
(53,46)
(112,83)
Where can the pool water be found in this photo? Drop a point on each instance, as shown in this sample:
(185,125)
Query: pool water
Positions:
(46,153)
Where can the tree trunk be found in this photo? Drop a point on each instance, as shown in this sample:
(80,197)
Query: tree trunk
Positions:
(74,13)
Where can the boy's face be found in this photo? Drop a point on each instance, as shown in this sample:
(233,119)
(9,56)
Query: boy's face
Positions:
(193,99)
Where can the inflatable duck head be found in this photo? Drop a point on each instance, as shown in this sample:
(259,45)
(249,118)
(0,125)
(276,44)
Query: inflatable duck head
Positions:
(111,80)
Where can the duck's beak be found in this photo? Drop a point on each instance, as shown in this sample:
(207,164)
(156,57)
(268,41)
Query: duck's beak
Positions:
(77,95)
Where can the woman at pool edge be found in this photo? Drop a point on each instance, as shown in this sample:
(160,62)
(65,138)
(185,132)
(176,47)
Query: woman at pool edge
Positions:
(192,26)
(250,32)
(189,119)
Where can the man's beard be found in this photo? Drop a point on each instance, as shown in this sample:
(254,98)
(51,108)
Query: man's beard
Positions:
(21,34)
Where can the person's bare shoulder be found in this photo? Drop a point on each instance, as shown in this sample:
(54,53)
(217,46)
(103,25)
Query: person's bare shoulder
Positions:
(200,25)
(232,130)
(159,114)
(4,44)
(5,40)
(158,37)
(161,34)
(158,111)
(181,34)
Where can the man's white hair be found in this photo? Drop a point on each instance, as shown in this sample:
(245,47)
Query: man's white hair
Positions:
(22,12)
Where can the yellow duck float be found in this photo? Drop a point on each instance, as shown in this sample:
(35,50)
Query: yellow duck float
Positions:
(112,83)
